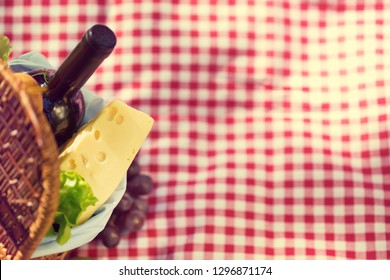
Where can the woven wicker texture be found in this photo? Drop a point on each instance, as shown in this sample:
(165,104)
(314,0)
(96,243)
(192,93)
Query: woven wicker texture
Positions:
(29,171)
(54,257)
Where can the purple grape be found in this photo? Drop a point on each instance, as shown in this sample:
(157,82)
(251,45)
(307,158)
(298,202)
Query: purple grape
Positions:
(42,75)
(64,114)
(110,236)
(125,203)
(130,221)
(140,204)
(140,185)
(133,170)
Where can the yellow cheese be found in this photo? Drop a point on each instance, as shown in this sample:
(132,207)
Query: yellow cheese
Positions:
(102,151)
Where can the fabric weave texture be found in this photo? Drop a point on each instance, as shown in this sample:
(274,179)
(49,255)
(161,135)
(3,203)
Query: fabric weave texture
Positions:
(272,121)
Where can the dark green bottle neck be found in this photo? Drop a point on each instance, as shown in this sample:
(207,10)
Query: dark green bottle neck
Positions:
(97,44)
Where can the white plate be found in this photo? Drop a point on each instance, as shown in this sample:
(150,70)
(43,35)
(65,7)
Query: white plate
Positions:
(85,232)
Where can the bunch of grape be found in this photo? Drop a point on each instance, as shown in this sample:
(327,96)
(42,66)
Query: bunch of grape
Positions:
(130,213)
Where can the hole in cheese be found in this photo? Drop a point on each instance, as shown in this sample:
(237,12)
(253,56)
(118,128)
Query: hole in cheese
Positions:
(97,134)
(72,164)
(101,156)
(119,119)
(84,160)
(111,113)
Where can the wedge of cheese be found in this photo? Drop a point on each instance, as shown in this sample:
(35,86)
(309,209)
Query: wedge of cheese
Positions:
(102,150)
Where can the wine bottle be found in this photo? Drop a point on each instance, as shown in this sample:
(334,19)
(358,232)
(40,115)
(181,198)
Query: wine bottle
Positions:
(63,101)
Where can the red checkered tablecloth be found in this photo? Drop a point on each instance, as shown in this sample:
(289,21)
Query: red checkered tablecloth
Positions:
(272,129)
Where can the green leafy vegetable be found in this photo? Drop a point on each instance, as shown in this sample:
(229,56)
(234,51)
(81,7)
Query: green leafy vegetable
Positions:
(5,48)
(75,196)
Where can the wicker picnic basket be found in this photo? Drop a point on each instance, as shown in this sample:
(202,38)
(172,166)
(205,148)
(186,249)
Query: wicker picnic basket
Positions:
(29,171)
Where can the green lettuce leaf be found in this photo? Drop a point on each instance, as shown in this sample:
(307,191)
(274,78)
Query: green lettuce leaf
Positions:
(75,196)
(5,48)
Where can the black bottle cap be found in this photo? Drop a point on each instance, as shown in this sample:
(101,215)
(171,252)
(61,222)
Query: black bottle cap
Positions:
(101,39)
(96,45)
